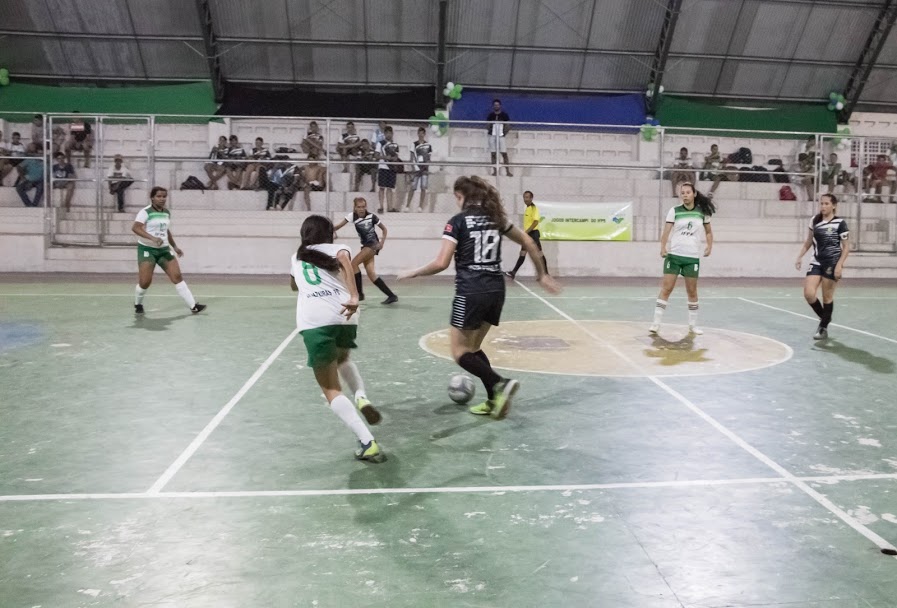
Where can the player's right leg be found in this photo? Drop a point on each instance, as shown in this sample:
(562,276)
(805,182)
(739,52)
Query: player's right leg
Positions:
(670,274)
(144,280)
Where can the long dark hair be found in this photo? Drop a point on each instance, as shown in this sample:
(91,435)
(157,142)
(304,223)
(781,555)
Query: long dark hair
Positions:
(316,229)
(478,192)
(702,201)
(818,217)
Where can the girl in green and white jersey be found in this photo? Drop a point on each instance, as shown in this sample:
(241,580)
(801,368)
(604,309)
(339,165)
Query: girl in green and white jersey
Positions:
(681,248)
(327,318)
(155,243)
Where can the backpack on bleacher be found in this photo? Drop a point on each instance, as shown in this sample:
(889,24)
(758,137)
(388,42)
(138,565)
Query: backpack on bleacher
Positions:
(742,157)
(760,174)
(778,174)
(787,194)
(193,183)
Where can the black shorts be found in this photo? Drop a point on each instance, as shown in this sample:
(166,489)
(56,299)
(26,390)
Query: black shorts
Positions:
(367,169)
(471,311)
(536,236)
(372,247)
(824,269)
(386,178)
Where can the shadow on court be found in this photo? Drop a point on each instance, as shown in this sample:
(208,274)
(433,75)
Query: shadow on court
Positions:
(676,352)
(874,363)
(156,323)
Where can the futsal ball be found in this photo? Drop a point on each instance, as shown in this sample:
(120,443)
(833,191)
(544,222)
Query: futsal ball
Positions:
(461,388)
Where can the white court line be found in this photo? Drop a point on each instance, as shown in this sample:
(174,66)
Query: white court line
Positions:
(769,462)
(623,485)
(797,314)
(204,434)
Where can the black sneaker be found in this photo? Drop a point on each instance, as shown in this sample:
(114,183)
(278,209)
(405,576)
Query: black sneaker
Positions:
(391,299)
(361,297)
(138,309)
(198,308)
(821,333)
(509,274)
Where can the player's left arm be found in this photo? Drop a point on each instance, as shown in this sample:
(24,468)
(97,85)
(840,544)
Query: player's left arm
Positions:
(442,261)
(177,249)
(708,233)
(382,228)
(348,276)
(293,285)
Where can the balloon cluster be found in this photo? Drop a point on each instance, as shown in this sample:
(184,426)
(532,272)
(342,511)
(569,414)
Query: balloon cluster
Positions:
(840,140)
(836,101)
(439,123)
(452,91)
(650,91)
(649,129)
(4,77)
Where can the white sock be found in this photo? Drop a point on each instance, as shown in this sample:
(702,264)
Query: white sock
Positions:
(139,292)
(347,412)
(692,314)
(185,294)
(659,307)
(348,371)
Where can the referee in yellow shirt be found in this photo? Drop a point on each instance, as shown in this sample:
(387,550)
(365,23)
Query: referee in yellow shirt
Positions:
(531,227)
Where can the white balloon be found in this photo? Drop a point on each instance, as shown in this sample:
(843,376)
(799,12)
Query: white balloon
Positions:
(661,88)
(450,85)
(446,91)
(435,129)
(840,105)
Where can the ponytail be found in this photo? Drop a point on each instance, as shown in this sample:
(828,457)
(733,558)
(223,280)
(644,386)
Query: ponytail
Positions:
(316,230)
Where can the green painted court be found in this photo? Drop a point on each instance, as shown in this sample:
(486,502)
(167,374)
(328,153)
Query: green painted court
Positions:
(186,461)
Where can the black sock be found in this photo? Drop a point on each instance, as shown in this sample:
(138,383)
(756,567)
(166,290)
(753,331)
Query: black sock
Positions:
(827,315)
(482,355)
(381,285)
(545,263)
(817,308)
(479,367)
(518,264)
(358,283)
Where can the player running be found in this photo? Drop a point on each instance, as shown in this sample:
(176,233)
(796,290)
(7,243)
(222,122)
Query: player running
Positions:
(371,245)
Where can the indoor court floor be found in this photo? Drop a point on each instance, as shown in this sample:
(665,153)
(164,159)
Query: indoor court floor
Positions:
(189,461)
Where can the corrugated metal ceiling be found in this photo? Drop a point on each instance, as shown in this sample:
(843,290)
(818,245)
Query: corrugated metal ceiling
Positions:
(757,48)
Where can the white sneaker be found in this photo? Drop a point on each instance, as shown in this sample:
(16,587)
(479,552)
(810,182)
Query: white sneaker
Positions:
(654,329)
(695,330)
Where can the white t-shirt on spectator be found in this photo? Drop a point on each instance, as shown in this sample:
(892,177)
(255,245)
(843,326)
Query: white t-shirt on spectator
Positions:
(118,175)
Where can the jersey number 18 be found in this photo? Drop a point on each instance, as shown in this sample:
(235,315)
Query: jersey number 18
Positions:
(485,246)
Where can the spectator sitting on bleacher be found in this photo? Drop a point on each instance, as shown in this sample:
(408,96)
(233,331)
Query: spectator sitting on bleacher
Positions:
(235,151)
(682,171)
(252,171)
(834,174)
(314,141)
(313,179)
(713,162)
(368,167)
(421,151)
(81,139)
(271,179)
(876,174)
(216,170)
(62,172)
(15,149)
(32,171)
(119,178)
(350,145)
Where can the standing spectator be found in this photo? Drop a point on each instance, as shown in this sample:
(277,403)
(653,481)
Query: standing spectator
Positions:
(314,141)
(368,166)
(253,170)
(63,178)
(387,152)
(379,134)
(216,170)
(32,170)
(713,162)
(313,179)
(877,174)
(350,145)
(37,130)
(421,151)
(235,152)
(498,125)
(119,178)
(682,172)
(14,150)
(80,138)
(807,164)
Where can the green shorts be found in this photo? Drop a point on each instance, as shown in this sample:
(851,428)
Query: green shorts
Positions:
(676,264)
(156,255)
(322,343)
